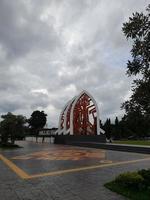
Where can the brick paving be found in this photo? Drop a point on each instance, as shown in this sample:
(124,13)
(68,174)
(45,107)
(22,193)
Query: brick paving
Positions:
(81,185)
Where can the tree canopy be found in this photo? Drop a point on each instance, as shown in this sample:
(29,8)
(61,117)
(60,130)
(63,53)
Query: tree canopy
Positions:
(136,121)
(12,127)
(137,108)
(37,119)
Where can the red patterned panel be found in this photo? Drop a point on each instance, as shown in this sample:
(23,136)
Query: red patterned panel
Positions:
(84,116)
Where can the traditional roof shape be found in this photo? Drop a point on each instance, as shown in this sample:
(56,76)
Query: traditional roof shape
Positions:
(80,116)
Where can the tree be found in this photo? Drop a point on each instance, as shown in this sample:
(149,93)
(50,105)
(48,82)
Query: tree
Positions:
(138,30)
(135,124)
(116,129)
(101,124)
(37,120)
(116,122)
(12,127)
(107,128)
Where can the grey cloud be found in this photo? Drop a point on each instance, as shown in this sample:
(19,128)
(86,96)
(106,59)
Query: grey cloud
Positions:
(63,47)
(21,31)
(18,101)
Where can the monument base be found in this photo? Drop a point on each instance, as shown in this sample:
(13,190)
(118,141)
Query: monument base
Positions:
(70,139)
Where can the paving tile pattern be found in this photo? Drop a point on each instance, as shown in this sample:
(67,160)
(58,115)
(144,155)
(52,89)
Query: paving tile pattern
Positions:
(84,185)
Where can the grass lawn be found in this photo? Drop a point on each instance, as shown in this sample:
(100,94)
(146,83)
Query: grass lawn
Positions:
(127,192)
(134,142)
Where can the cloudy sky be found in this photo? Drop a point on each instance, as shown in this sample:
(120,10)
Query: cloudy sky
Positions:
(50,50)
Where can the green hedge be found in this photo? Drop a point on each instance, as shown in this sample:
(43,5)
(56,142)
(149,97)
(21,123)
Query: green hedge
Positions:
(134,185)
(146,176)
(130,179)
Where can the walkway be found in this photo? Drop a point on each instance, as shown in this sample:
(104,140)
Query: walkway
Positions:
(53,172)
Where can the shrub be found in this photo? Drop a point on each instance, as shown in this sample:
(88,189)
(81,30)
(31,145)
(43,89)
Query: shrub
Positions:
(130,179)
(146,176)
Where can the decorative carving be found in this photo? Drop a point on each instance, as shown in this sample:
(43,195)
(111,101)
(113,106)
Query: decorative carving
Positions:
(84,116)
(80,116)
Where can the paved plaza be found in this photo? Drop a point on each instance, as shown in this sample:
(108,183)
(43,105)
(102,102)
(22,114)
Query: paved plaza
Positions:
(52,172)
